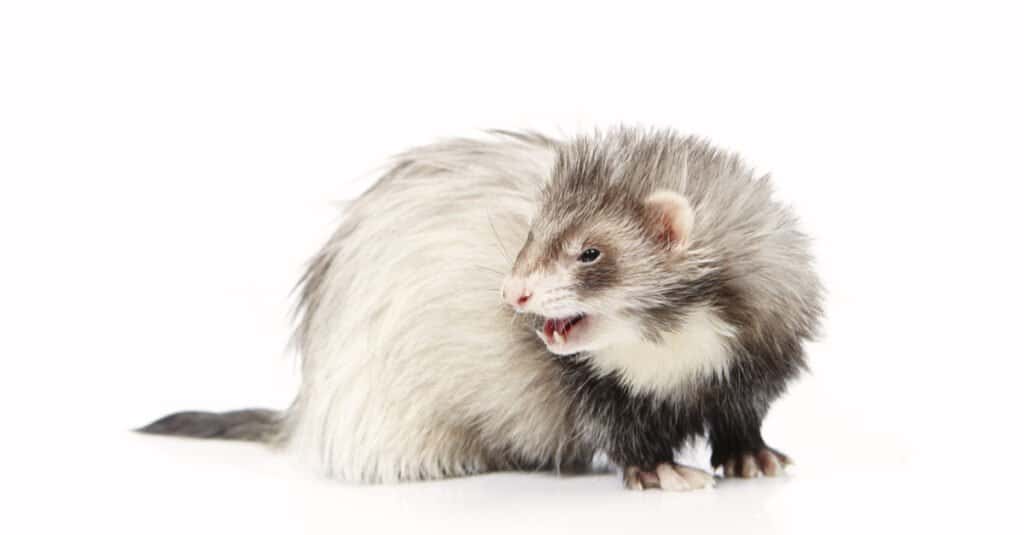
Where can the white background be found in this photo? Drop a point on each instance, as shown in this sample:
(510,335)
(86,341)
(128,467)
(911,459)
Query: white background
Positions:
(167,168)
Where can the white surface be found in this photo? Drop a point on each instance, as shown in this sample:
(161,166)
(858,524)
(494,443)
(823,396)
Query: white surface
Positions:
(166,171)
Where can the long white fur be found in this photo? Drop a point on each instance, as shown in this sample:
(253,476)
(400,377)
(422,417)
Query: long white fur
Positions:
(410,368)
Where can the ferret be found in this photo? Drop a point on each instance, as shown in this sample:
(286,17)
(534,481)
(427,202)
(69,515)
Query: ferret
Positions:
(520,302)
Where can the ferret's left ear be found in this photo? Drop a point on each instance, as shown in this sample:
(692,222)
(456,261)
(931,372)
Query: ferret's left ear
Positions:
(672,216)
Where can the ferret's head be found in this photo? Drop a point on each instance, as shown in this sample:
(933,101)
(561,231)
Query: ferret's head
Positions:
(606,258)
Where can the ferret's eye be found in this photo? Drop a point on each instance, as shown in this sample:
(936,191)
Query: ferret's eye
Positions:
(589,256)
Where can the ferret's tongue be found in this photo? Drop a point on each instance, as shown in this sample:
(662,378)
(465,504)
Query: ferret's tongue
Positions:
(552,326)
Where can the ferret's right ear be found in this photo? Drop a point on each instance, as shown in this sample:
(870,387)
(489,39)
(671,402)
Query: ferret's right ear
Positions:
(672,217)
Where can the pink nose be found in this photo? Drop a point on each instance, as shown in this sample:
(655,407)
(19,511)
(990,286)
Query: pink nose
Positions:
(514,293)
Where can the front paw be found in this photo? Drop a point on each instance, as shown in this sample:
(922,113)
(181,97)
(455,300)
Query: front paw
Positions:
(748,464)
(667,476)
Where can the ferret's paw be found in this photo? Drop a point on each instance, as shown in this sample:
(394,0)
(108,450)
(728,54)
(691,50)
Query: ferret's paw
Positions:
(766,462)
(668,476)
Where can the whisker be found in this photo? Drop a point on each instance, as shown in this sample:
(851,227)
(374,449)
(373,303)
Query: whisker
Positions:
(498,239)
(492,270)
(557,298)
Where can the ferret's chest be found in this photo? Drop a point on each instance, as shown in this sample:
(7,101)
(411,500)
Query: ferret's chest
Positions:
(698,352)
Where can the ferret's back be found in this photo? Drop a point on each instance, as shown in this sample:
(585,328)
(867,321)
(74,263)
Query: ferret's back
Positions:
(411,367)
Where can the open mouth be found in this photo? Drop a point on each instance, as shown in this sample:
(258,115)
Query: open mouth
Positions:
(558,331)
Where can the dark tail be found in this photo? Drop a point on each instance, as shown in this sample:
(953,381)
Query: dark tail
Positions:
(257,425)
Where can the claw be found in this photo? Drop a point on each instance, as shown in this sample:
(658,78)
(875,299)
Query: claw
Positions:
(730,468)
(649,480)
(670,479)
(697,479)
(632,477)
(769,463)
(750,469)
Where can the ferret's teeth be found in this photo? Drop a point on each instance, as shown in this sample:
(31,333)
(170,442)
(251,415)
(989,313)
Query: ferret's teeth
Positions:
(540,334)
(559,338)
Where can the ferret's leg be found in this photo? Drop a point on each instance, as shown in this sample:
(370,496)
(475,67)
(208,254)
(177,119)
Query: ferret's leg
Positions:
(737,446)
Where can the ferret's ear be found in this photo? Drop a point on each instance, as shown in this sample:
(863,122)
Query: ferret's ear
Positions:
(672,217)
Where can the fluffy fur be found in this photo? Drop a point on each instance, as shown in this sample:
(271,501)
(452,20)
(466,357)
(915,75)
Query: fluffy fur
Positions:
(696,311)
